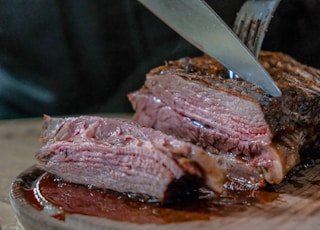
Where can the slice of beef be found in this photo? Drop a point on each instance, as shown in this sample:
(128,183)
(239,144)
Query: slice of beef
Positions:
(120,155)
(255,136)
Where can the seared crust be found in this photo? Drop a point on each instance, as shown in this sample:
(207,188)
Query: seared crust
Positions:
(250,131)
(300,86)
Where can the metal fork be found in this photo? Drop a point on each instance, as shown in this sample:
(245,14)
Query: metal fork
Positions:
(252,22)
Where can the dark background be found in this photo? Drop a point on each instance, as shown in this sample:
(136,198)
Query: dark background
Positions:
(83,56)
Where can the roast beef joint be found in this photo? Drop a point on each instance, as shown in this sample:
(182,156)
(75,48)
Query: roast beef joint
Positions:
(257,138)
(193,127)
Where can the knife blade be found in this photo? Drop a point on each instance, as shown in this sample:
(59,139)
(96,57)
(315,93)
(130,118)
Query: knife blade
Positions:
(196,22)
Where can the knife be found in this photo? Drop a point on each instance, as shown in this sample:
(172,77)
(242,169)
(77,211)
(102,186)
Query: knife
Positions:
(196,22)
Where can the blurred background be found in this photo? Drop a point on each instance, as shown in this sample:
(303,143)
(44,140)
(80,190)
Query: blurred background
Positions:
(83,56)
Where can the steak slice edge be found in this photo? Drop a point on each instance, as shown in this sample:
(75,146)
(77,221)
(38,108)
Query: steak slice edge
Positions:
(120,155)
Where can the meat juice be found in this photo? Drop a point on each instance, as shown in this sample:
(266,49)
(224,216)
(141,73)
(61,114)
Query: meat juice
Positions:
(73,198)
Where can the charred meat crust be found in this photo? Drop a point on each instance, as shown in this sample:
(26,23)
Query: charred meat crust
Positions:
(193,99)
(300,86)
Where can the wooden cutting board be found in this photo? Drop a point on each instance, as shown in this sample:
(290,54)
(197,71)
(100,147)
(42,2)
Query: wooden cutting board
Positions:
(294,204)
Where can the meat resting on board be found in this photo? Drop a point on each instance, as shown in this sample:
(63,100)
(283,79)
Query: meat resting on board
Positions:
(123,156)
(256,137)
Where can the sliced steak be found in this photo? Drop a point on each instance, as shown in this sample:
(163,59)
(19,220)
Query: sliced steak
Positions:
(255,136)
(122,156)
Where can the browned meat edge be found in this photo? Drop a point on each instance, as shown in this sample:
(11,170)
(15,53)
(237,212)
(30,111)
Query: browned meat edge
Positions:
(253,133)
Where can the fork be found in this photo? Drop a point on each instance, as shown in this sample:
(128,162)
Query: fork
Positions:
(251,24)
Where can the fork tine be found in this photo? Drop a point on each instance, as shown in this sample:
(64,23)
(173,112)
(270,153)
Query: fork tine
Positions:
(252,22)
(238,24)
(263,22)
(248,30)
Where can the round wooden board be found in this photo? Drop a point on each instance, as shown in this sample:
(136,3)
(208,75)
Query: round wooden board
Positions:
(297,206)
